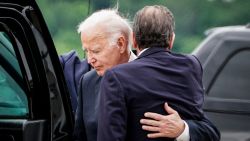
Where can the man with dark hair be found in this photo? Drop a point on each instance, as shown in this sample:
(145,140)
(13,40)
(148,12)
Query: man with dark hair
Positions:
(156,31)
(145,84)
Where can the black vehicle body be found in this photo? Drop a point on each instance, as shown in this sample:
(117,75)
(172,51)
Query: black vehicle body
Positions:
(224,56)
(49,115)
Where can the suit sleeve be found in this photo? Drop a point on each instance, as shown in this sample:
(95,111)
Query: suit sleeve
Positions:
(79,133)
(112,118)
(203,130)
(65,57)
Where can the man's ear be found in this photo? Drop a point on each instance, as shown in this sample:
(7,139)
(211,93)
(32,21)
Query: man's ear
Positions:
(134,41)
(135,45)
(122,44)
(171,40)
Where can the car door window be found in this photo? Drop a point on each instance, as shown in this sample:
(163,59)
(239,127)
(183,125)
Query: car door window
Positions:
(233,82)
(13,100)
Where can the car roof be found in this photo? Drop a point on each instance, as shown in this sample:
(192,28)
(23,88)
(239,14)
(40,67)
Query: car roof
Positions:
(226,29)
(218,35)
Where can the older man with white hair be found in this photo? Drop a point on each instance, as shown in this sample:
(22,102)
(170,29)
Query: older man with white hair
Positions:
(106,39)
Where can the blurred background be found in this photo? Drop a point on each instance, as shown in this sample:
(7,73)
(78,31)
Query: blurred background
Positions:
(192,17)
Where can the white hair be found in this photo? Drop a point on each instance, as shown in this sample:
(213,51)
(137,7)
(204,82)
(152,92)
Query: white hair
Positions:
(111,23)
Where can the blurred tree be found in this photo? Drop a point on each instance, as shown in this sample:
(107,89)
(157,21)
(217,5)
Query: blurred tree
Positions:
(192,18)
(62,18)
(100,4)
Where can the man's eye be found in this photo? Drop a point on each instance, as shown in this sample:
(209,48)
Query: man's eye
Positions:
(95,51)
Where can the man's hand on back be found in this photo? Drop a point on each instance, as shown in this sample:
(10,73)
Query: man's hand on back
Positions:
(170,126)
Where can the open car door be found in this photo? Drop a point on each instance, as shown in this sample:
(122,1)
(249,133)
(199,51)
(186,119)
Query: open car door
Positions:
(34,100)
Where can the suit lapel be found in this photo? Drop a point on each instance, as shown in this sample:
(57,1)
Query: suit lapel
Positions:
(97,92)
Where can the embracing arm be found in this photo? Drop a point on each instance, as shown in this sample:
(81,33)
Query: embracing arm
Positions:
(172,126)
(203,130)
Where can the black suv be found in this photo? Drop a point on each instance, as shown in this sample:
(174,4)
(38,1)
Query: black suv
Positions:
(35,103)
(224,56)
(34,100)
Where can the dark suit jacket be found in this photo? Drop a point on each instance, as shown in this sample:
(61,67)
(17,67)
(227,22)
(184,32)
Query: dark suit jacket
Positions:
(88,102)
(73,69)
(156,76)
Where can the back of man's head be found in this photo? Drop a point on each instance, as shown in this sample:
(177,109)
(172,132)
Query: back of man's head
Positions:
(153,27)
(107,23)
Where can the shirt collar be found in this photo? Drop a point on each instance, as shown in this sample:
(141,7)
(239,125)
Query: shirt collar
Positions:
(132,56)
(142,51)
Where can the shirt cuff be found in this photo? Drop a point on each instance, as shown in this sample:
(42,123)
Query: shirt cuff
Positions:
(185,134)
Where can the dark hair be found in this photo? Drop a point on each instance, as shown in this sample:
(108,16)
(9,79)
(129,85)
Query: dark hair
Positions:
(153,26)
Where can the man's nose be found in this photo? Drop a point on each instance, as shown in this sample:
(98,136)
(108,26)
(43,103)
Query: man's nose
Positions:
(91,59)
